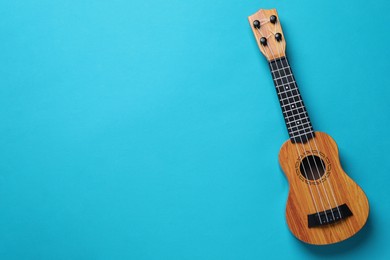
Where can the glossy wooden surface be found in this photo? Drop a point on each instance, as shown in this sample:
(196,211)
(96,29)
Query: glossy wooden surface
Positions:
(274,49)
(335,187)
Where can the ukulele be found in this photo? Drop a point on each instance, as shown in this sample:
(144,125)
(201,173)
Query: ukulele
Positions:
(324,205)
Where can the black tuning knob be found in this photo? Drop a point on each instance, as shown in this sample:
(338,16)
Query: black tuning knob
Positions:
(263,41)
(278,37)
(273,19)
(256,24)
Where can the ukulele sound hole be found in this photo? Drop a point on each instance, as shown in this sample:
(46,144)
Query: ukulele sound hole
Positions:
(312,167)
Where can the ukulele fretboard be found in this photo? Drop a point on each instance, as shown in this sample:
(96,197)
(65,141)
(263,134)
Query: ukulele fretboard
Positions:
(295,115)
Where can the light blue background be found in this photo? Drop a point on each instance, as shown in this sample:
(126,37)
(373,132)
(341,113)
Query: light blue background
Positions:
(151,129)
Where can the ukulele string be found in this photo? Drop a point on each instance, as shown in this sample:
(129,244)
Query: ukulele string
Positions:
(304,153)
(322,163)
(312,153)
(316,147)
(299,154)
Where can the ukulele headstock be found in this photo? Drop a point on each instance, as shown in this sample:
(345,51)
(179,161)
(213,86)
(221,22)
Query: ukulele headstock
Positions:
(268,32)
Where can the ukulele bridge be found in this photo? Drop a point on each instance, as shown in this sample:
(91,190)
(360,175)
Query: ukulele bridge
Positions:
(329,216)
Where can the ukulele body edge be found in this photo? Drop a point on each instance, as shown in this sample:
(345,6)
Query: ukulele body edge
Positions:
(323,192)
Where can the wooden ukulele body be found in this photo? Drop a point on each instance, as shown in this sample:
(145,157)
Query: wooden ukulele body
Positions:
(334,186)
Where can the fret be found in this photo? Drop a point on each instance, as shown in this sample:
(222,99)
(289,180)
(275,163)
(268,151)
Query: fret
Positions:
(290,93)
(286,87)
(298,126)
(284,80)
(298,121)
(281,73)
(285,83)
(290,126)
(294,112)
(294,98)
(304,112)
(282,77)
(303,134)
(305,128)
(277,70)
(292,104)
(297,95)
(279,63)
(290,113)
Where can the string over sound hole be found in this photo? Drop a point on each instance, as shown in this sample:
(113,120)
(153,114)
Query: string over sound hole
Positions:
(312,167)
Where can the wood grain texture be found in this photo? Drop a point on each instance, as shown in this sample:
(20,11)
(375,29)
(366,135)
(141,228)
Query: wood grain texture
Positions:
(274,49)
(300,199)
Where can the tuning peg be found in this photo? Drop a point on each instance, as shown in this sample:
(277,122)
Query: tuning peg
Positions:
(256,24)
(263,41)
(278,37)
(273,19)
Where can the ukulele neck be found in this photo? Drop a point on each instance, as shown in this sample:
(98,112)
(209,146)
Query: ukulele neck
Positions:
(294,111)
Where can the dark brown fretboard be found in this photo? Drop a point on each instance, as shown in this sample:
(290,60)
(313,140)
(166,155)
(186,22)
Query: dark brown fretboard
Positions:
(295,115)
